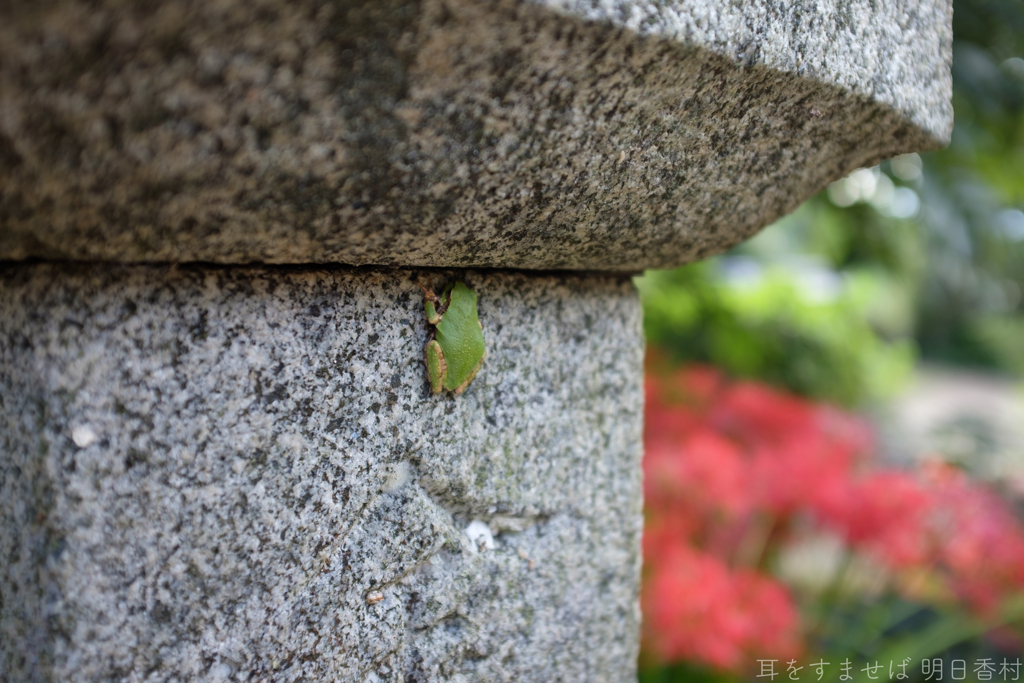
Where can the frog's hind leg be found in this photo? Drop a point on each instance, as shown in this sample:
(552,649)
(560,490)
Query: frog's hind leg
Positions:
(437,368)
(459,389)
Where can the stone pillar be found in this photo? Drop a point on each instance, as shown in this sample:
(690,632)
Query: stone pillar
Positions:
(219,455)
(243,471)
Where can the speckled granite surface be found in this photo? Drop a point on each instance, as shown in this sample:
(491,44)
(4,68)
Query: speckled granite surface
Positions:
(239,474)
(565,134)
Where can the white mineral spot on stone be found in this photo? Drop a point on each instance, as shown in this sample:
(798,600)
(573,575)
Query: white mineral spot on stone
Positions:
(84,436)
(220,672)
(480,535)
(399,477)
(502,523)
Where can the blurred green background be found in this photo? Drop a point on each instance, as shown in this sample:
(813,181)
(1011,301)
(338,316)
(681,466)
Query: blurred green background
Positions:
(920,257)
(918,262)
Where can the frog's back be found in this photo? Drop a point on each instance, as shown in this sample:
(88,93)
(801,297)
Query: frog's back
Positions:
(460,337)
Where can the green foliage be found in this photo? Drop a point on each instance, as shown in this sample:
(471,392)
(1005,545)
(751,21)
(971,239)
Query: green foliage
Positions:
(685,672)
(972,195)
(770,325)
(928,251)
(1003,338)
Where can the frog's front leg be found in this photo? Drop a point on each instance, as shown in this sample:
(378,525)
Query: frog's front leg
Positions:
(437,369)
(433,317)
(430,304)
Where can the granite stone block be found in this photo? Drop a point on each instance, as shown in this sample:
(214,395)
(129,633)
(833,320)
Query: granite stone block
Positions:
(545,134)
(232,474)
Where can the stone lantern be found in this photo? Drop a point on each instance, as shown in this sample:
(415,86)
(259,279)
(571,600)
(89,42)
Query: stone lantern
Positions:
(219,455)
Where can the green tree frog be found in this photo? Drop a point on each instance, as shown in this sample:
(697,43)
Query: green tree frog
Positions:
(456,349)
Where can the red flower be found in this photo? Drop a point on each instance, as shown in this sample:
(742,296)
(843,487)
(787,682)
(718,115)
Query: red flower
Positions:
(705,470)
(696,608)
(886,513)
(730,467)
(980,543)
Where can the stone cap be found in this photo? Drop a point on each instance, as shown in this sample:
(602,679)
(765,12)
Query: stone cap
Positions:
(552,134)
